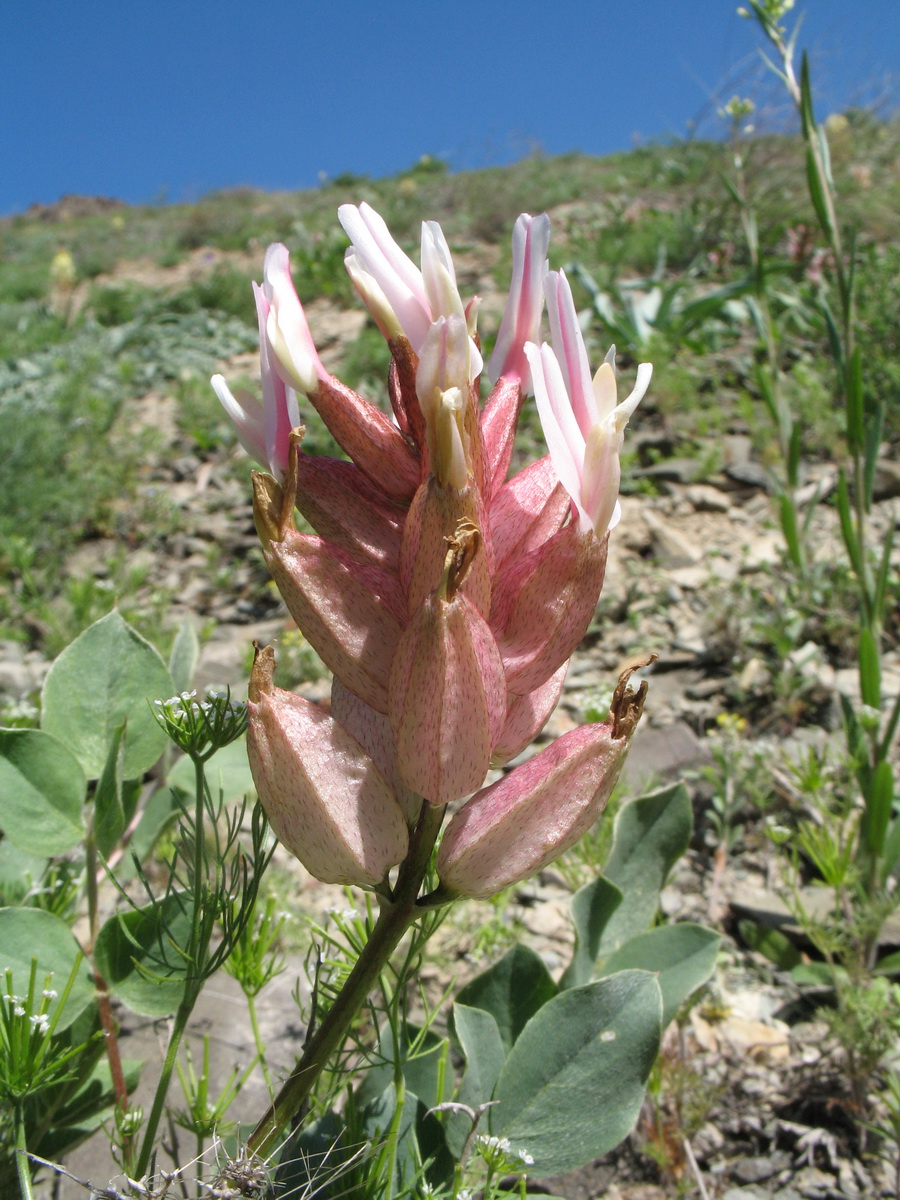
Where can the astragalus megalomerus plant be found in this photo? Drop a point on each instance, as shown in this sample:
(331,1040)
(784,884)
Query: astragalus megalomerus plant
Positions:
(445,597)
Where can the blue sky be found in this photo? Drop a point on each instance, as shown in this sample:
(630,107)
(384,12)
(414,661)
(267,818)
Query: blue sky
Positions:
(169,99)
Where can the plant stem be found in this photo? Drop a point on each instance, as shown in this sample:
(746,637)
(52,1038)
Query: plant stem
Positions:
(22,1157)
(178,1027)
(394,920)
(260,1048)
(195,961)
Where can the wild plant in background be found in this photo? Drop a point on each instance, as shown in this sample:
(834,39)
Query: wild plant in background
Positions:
(854,843)
(447,601)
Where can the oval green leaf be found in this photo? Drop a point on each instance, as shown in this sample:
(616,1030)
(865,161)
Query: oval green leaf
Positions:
(681,956)
(512,991)
(137,955)
(42,790)
(27,933)
(105,677)
(573,1085)
(649,836)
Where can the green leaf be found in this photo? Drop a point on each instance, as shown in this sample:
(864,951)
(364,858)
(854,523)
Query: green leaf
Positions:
(313,1162)
(109,815)
(485,1053)
(137,954)
(512,991)
(649,836)
(787,512)
(813,974)
(795,446)
(20,871)
(183,659)
(424,1066)
(855,406)
(574,1082)
(27,933)
(42,789)
(681,956)
(842,497)
(377,1118)
(869,669)
(228,769)
(107,675)
(592,906)
(771,943)
(879,800)
(889,965)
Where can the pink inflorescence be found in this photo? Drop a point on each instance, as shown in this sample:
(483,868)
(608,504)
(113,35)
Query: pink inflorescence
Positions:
(445,597)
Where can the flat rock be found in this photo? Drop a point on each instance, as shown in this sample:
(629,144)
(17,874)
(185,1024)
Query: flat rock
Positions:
(672,549)
(658,754)
(704,498)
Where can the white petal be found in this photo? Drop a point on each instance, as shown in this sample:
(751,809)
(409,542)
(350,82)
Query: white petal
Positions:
(565,333)
(566,445)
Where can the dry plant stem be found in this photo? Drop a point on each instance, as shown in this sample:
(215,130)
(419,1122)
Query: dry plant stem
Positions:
(395,919)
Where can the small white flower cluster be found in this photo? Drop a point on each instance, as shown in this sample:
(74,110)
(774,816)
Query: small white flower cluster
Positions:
(200,727)
(342,914)
(489,1146)
(16,1003)
(40,1022)
(178,707)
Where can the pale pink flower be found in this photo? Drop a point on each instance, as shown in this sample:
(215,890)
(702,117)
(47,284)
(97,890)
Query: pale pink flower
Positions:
(262,429)
(522,316)
(287,330)
(403,299)
(582,421)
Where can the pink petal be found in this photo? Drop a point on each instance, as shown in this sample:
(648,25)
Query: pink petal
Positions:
(352,615)
(447,699)
(526,511)
(286,327)
(564,439)
(568,345)
(282,413)
(247,416)
(515,827)
(526,716)
(522,316)
(394,271)
(543,603)
(325,798)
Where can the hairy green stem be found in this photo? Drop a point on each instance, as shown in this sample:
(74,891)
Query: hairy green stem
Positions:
(395,919)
